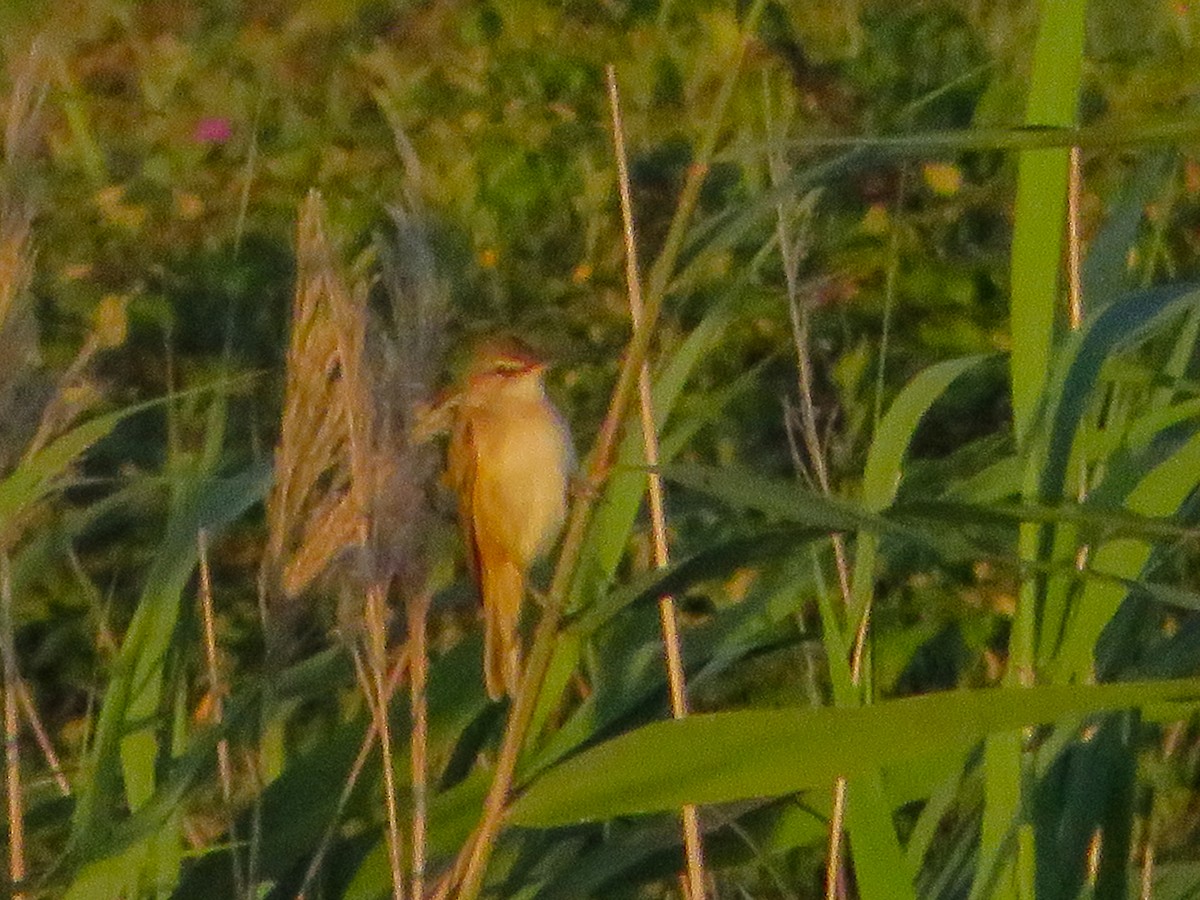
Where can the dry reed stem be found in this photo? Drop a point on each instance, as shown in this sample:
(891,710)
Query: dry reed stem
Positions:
(835,874)
(12,748)
(42,737)
(1074,240)
(376,697)
(798,315)
(1171,741)
(216,691)
(420,312)
(465,878)
(360,761)
(419,654)
(377,666)
(693,879)
(1146,873)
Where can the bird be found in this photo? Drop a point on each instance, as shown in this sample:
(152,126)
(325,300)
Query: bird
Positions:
(509,461)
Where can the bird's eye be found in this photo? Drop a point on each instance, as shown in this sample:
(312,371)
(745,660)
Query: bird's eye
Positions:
(511,366)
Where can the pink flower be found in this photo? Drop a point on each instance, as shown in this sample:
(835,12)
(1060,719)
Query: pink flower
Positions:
(212,130)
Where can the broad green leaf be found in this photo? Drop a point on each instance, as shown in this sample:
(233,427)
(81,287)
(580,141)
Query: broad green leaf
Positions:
(885,458)
(773,828)
(37,475)
(724,757)
(111,876)
(1119,325)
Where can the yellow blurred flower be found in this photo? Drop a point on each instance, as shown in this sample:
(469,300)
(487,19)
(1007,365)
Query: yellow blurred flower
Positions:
(110,320)
(876,220)
(113,208)
(944,179)
(188,206)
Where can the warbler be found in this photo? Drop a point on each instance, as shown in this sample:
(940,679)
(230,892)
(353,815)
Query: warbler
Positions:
(509,462)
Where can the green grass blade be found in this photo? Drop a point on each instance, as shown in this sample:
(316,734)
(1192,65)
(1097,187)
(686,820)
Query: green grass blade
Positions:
(126,745)
(38,475)
(1121,324)
(1159,493)
(1036,256)
(879,862)
(776,499)
(880,867)
(881,477)
(885,458)
(1040,204)
(724,757)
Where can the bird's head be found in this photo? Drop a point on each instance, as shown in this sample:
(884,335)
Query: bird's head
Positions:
(504,360)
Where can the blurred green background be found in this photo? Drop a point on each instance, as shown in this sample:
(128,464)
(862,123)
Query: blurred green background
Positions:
(177,143)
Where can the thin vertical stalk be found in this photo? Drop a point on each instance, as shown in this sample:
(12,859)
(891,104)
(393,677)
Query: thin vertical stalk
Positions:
(1171,742)
(692,843)
(12,749)
(1074,240)
(360,761)
(217,692)
(42,738)
(418,654)
(799,318)
(1146,873)
(379,695)
(833,854)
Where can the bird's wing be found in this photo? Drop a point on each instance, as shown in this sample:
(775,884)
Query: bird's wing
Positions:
(461,469)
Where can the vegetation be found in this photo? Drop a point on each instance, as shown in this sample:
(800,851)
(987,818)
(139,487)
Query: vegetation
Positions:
(915,289)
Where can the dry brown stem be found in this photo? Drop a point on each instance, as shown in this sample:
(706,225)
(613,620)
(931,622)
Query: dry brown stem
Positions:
(693,878)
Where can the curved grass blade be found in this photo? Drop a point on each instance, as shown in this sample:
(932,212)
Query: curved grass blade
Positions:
(879,862)
(725,757)
(1122,323)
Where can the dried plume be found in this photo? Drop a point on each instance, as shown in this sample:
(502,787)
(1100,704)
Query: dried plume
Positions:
(350,482)
(24,390)
(318,507)
(349,499)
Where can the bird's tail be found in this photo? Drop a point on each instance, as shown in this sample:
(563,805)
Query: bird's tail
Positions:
(503,589)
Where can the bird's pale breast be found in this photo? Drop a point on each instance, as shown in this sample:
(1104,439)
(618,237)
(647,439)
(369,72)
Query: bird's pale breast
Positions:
(522,476)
